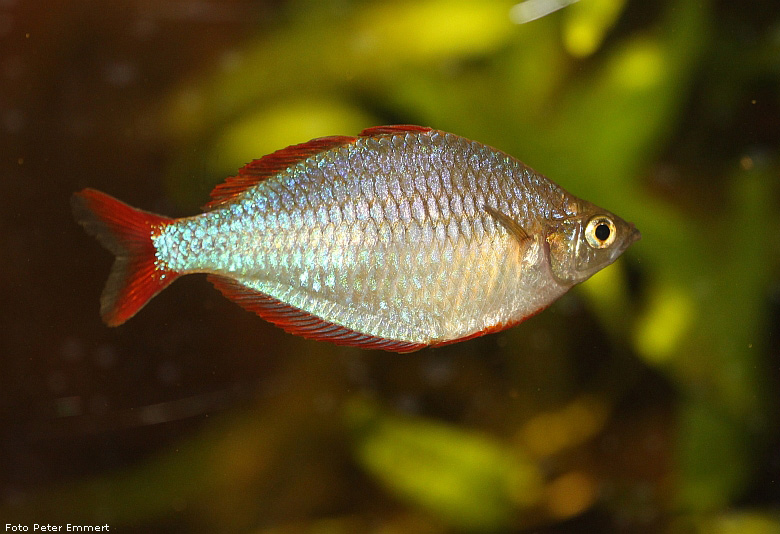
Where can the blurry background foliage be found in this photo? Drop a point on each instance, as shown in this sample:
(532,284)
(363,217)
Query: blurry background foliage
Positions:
(644,401)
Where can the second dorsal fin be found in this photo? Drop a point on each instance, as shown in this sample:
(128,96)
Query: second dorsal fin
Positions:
(271,164)
(393,129)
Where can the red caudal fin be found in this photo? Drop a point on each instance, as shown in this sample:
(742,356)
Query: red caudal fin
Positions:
(127,232)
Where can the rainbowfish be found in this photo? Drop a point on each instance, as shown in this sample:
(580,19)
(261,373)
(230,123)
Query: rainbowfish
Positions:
(401,238)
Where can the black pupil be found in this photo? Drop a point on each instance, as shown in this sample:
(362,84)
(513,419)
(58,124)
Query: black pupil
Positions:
(602,232)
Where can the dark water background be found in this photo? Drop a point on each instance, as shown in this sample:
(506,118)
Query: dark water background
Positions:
(644,401)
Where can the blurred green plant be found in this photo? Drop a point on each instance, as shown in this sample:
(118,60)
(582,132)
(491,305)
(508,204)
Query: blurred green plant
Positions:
(471,481)
(590,106)
(748,522)
(463,67)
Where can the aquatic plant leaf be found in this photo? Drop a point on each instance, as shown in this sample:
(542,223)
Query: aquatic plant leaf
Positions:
(464,477)
(587,23)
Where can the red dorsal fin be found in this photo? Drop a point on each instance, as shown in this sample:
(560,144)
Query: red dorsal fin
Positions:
(301,323)
(393,129)
(267,166)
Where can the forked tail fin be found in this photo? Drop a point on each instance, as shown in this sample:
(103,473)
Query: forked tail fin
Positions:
(127,232)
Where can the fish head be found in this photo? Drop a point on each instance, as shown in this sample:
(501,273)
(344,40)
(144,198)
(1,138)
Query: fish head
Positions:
(580,245)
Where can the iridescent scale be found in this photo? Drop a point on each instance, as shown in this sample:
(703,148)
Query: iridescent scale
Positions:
(387,236)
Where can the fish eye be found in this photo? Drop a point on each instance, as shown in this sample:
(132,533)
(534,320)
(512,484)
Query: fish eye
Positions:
(600,232)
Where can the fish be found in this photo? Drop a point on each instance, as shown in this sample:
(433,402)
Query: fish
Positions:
(400,238)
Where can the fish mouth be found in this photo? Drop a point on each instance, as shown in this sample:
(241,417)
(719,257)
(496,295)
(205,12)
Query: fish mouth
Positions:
(635,235)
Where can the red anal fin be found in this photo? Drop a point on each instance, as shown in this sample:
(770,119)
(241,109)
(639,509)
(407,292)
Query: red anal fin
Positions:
(490,330)
(127,232)
(301,323)
(393,129)
(261,169)
(496,328)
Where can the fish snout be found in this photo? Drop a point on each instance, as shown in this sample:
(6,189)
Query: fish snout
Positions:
(635,234)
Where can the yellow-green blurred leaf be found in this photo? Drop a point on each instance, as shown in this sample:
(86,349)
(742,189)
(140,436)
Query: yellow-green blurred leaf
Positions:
(739,522)
(664,324)
(325,46)
(258,133)
(466,478)
(714,457)
(587,23)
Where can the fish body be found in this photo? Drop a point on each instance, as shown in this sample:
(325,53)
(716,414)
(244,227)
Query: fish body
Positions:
(400,238)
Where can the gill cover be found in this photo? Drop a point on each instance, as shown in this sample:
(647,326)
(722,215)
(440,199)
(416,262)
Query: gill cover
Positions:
(580,246)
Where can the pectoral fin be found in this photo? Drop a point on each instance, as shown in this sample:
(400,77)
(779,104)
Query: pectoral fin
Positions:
(511,226)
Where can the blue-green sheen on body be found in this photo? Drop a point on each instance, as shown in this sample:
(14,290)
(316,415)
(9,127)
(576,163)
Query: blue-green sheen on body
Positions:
(387,236)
